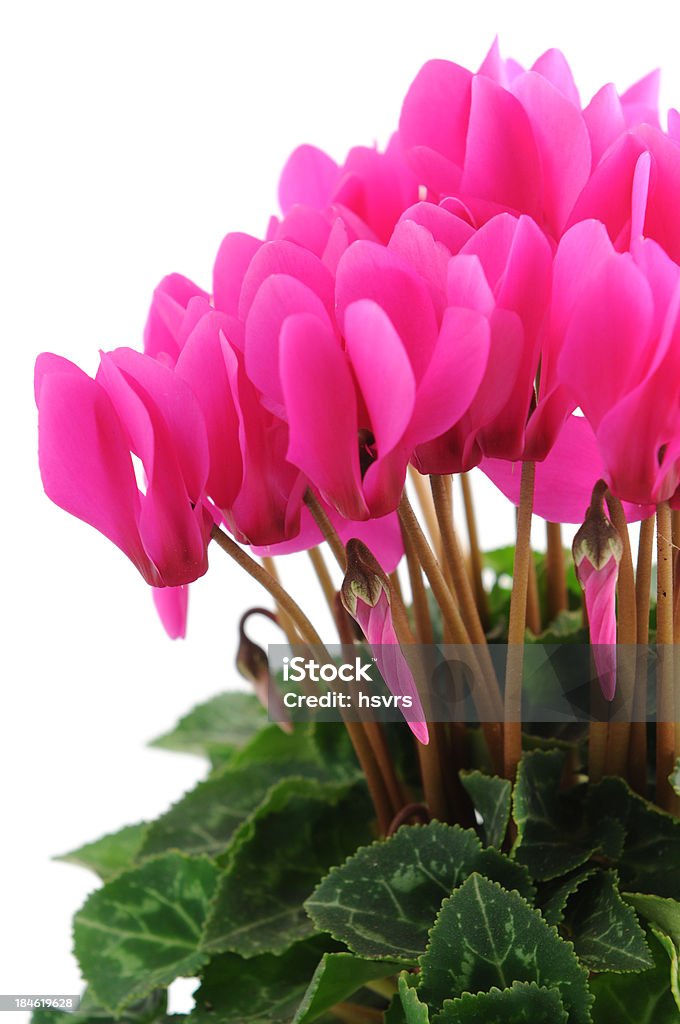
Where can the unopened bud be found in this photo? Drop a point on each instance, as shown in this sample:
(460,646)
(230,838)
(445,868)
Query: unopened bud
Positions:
(597,540)
(364,579)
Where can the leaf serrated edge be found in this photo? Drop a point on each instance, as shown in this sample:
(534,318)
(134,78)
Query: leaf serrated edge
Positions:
(618,896)
(69,858)
(515,986)
(117,1011)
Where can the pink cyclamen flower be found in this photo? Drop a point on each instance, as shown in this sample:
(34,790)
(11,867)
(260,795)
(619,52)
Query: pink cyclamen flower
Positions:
(597,550)
(88,432)
(365,594)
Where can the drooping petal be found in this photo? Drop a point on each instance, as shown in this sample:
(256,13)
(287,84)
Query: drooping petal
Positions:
(321,410)
(553,67)
(84,459)
(294,261)
(231,263)
(172,605)
(599,588)
(433,122)
(376,623)
(164,323)
(605,121)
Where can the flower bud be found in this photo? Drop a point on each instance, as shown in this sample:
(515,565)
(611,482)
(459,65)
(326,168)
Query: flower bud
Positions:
(364,578)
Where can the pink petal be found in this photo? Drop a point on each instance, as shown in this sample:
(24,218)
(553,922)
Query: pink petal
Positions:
(436,108)
(84,459)
(376,623)
(279,297)
(640,102)
(454,375)
(172,605)
(430,258)
(599,586)
(446,227)
(231,264)
(304,226)
(553,67)
(289,259)
(201,364)
(321,409)
(166,315)
(308,177)
(564,479)
(605,121)
(370,271)
(563,145)
(501,159)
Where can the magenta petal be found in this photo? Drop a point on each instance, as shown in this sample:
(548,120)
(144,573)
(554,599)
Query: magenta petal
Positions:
(563,145)
(168,308)
(454,375)
(370,271)
(605,121)
(289,259)
(599,586)
(231,263)
(564,479)
(436,108)
(201,364)
(381,535)
(321,410)
(499,127)
(552,65)
(172,605)
(376,623)
(308,177)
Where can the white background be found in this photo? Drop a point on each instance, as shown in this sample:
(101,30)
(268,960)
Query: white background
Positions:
(134,136)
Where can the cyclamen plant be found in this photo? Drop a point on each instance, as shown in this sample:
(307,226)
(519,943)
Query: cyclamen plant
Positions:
(499,288)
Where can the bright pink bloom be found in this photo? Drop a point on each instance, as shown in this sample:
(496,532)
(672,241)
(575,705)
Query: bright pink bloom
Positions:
(87,432)
(597,551)
(172,605)
(370,187)
(357,410)
(366,596)
(502,273)
(459,128)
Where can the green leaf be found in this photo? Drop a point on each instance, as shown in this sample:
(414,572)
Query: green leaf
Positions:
(658,910)
(143,929)
(485,937)
(635,998)
(672,951)
(277,858)
(415,1012)
(566,627)
(548,842)
(605,931)
(491,797)
(652,839)
(216,728)
(554,895)
(522,1003)
(148,1010)
(205,819)
(337,977)
(111,854)
(384,899)
(257,991)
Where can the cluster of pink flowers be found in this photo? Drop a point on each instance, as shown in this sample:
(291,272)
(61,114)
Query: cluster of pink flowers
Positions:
(502,283)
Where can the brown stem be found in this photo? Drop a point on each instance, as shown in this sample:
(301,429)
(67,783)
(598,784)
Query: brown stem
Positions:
(476,561)
(421,609)
(419,811)
(512,749)
(665,726)
(361,745)
(395,585)
(327,529)
(675,533)
(427,508)
(618,739)
(488,711)
(556,573)
(637,765)
(323,576)
(285,620)
(533,603)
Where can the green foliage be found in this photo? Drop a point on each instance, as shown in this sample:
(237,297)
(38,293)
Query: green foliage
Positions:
(485,937)
(383,900)
(605,930)
(522,1003)
(633,998)
(338,976)
(491,797)
(110,854)
(217,728)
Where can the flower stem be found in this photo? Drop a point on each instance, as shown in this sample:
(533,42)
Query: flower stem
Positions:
(324,577)
(421,609)
(428,510)
(533,604)
(637,766)
(665,726)
(618,738)
(365,756)
(328,531)
(285,620)
(556,574)
(476,561)
(512,749)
